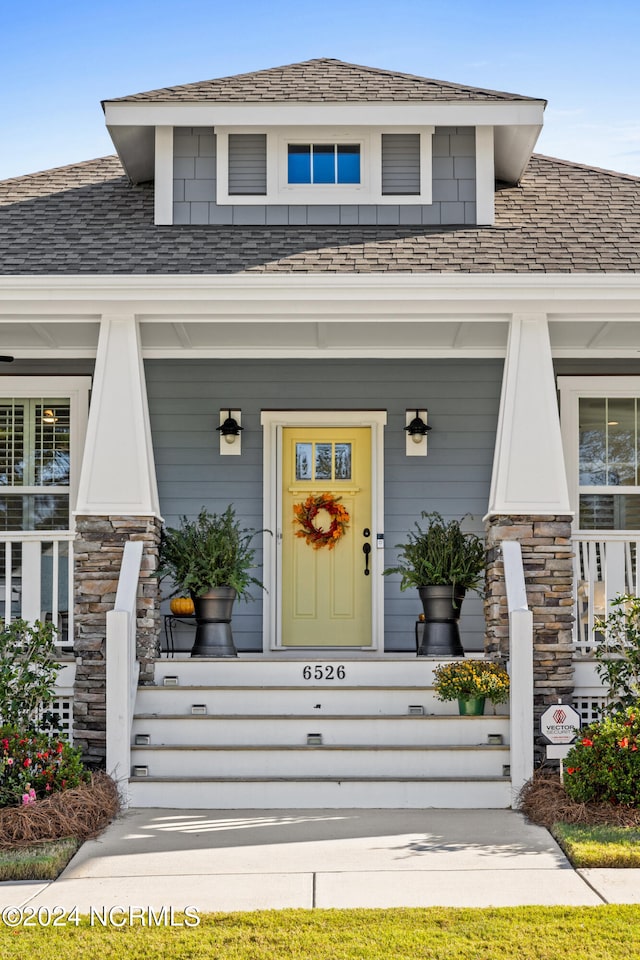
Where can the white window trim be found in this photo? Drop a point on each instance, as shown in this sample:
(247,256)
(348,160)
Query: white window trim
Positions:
(273,422)
(76,389)
(571,390)
(368,191)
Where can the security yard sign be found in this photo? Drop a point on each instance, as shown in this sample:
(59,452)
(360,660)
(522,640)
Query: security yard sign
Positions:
(559,723)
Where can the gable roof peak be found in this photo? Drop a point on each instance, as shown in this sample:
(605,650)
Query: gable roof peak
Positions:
(323,79)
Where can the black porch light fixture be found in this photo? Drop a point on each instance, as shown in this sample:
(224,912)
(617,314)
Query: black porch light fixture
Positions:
(417,428)
(230,431)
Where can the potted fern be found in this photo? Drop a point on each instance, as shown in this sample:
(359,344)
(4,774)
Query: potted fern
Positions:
(442,562)
(210,558)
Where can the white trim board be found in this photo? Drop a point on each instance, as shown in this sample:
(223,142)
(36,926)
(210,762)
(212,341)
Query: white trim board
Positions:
(273,422)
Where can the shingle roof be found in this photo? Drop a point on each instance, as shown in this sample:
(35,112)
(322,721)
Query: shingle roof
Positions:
(88,219)
(322,80)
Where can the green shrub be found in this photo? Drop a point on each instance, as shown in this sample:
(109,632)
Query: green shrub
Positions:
(35,765)
(618,656)
(28,669)
(604,765)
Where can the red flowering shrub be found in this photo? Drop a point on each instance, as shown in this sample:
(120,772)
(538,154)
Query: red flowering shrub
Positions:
(604,765)
(35,765)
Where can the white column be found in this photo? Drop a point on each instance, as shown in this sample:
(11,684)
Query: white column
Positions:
(528,469)
(485,177)
(163,183)
(118,471)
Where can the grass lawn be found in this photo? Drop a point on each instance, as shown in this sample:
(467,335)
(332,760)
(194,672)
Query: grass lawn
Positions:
(39,861)
(599,846)
(518,933)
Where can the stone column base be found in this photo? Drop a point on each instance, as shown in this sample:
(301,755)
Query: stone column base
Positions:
(98,553)
(547,555)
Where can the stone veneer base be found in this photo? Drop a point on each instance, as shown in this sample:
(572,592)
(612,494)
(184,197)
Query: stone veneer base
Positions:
(98,550)
(547,555)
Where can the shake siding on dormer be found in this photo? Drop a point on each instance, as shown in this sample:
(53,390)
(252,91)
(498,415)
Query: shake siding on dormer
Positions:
(454,186)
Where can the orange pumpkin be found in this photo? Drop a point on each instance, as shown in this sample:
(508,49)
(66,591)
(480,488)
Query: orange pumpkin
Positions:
(182,606)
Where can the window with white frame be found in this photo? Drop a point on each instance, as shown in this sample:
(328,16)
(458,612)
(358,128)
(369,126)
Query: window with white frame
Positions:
(600,423)
(323,163)
(294,165)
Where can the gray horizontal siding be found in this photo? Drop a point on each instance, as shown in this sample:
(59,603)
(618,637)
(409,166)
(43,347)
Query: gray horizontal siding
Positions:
(247,163)
(185,398)
(194,189)
(401,163)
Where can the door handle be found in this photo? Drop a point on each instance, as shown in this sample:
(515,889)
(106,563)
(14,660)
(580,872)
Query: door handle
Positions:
(366,549)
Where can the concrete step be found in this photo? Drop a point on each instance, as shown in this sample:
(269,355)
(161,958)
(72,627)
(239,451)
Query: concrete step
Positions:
(346,760)
(300,669)
(309,699)
(371,730)
(330,793)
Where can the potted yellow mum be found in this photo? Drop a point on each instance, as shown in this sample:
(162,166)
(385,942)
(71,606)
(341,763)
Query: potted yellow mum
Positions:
(471,682)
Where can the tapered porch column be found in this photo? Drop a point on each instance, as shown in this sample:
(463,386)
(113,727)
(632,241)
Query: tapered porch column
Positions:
(529,502)
(117,501)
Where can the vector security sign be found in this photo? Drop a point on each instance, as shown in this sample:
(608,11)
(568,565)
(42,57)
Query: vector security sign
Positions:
(559,723)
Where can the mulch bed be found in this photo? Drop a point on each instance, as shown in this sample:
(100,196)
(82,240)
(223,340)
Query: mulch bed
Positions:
(82,812)
(543,800)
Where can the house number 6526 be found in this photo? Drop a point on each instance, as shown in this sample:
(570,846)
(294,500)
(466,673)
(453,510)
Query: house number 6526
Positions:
(323,672)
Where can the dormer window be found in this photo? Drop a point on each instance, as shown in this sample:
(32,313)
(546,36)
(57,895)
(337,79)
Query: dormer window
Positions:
(323,163)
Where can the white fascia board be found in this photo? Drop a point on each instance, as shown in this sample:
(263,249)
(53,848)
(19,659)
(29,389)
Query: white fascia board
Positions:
(442,113)
(21,294)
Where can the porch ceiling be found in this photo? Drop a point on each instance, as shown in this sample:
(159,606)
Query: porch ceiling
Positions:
(335,335)
(45,337)
(594,336)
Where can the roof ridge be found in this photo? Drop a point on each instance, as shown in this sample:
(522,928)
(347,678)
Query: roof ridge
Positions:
(586,166)
(334,61)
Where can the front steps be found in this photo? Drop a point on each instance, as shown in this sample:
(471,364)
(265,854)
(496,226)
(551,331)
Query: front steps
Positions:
(248,743)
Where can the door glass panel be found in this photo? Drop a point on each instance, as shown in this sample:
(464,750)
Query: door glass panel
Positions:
(343,461)
(304,461)
(323,461)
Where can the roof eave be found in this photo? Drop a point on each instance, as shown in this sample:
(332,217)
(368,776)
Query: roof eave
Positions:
(517,124)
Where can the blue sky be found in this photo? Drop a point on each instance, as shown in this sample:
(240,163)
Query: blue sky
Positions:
(58,60)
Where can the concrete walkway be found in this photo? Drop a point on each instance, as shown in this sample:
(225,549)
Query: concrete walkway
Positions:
(255,859)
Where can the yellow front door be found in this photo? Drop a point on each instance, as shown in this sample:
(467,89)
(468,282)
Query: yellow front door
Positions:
(326,592)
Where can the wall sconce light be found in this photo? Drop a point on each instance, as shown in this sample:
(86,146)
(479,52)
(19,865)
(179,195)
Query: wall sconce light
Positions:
(416,430)
(48,416)
(230,432)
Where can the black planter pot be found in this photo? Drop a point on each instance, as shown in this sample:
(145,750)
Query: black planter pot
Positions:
(213,613)
(441,636)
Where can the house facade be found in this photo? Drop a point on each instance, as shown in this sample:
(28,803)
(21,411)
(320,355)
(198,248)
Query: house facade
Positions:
(323,252)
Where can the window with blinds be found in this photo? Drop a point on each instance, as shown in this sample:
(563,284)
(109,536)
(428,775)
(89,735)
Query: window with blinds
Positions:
(609,463)
(34,464)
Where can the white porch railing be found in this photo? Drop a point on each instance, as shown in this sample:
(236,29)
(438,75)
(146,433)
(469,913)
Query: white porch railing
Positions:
(36,578)
(605,564)
(521,668)
(123,667)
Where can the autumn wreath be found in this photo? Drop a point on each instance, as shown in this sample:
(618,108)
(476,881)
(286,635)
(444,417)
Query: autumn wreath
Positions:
(306,513)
